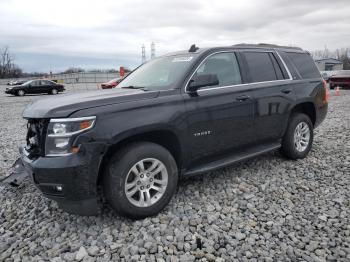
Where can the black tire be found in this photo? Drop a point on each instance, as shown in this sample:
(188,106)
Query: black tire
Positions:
(118,168)
(21,92)
(289,148)
(54,91)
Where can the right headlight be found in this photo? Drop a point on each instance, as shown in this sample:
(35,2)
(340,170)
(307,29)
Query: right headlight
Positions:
(62,131)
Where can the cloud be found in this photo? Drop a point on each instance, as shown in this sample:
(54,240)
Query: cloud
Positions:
(115,30)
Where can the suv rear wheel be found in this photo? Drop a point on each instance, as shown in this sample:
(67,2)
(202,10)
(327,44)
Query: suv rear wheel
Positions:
(140,180)
(298,138)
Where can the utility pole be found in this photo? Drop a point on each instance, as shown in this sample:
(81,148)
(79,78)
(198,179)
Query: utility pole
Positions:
(153,50)
(143,58)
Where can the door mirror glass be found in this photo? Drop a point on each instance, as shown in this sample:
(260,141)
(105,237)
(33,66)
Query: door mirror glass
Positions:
(202,81)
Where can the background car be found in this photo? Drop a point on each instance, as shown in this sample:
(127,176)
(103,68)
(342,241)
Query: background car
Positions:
(341,79)
(112,83)
(15,83)
(35,87)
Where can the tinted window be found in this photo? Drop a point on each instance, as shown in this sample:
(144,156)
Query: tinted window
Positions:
(304,64)
(290,65)
(35,83)
(277,67)
(225,66)
(260,66)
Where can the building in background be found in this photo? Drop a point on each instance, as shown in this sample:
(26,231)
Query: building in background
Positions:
(329,64)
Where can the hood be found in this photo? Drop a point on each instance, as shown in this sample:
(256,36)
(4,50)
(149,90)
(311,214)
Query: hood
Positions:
(64,105)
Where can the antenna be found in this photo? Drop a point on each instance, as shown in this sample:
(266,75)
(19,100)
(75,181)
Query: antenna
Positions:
(153,50)
(193,48)
(143,58)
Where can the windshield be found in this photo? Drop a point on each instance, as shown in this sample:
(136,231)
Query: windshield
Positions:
(160,73)
(28,82)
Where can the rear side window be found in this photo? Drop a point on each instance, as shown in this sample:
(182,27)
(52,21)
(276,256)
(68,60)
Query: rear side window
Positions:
(304,64)
(261,67)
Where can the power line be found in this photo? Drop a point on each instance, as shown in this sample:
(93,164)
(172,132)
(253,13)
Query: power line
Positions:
(153,50)
(143,57)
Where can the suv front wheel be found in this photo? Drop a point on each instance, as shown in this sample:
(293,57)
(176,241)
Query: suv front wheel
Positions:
(298,138)
(140,180)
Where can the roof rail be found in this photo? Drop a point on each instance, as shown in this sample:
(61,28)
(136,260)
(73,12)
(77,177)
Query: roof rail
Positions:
(267,45)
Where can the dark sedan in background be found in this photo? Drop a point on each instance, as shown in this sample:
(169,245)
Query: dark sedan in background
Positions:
(35,87)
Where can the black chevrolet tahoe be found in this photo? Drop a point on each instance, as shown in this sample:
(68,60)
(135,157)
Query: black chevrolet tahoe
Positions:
(178,115)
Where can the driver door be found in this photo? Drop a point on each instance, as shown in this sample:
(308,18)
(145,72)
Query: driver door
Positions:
(220,118)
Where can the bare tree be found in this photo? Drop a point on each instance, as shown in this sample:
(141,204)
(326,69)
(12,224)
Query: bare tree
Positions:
(7,66)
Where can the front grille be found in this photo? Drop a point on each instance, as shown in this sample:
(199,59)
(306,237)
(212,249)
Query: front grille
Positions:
(36,135)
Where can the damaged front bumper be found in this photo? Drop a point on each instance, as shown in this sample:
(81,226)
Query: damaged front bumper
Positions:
(17,174)
(69,180)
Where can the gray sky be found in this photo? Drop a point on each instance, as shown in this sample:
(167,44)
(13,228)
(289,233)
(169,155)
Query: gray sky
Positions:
(56,34)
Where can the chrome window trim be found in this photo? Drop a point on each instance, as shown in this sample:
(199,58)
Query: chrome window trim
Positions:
(253,83)
(285,66)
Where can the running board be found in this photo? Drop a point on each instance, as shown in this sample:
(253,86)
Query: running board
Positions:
(233,158)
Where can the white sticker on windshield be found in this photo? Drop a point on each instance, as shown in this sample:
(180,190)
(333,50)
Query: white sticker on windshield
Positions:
(182,59)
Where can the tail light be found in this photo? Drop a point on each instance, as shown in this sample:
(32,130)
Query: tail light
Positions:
(326,94)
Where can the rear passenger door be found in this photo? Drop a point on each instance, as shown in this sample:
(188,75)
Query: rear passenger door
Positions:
(273,93)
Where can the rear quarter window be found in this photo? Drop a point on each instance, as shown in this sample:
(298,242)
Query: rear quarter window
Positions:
(304,64)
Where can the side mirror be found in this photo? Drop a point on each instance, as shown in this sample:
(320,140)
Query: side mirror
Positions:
(202,81)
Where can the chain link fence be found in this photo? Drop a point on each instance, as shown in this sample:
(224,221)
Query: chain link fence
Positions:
(73,78)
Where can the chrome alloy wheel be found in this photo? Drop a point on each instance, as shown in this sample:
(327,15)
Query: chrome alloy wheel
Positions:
(146,182)
(301,136)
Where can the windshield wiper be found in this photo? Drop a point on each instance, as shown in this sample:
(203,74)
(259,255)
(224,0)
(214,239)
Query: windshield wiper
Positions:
(136,87)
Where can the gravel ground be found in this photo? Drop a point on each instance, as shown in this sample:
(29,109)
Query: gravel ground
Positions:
(266,209)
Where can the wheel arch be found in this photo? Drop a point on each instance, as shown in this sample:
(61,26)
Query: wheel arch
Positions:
(164,137)
(307,108)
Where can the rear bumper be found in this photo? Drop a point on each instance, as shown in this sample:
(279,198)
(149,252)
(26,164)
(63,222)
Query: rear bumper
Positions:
(70,180)
(321,114)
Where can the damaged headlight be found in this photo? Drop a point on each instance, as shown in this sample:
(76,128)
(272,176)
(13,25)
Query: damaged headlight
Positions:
(61,133)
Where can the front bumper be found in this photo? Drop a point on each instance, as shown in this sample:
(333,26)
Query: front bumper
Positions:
(11,92)
(70,180)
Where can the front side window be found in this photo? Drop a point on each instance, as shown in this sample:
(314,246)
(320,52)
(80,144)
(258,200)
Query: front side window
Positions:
(224,66)
(35,83)
(260,66)
(159,74)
